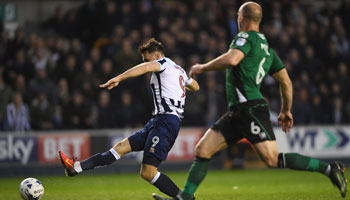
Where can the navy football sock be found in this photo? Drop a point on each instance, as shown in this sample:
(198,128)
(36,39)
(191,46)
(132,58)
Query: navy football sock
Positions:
(98,160)
(166,185)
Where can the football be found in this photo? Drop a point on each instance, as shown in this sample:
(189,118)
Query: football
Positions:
(31,189)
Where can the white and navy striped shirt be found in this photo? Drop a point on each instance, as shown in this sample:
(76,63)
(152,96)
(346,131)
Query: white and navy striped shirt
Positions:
(168,86)
(18,119)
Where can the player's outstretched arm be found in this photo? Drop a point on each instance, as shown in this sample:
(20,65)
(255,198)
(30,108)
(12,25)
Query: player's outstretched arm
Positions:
(136,71)
(285,117)
(231,58)
(193,86)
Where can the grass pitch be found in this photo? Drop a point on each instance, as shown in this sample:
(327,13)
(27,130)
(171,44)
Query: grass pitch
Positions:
(218,185)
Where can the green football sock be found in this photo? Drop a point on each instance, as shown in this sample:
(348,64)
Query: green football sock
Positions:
(196,175)
(301,162)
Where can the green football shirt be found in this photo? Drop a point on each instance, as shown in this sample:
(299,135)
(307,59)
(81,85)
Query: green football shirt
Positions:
(244,80)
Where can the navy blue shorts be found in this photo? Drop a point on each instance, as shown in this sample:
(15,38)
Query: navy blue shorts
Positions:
(156,138)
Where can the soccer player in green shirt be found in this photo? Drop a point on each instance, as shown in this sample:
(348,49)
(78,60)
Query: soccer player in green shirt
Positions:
(247,62)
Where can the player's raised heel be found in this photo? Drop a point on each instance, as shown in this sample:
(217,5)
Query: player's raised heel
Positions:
(68,164)
(337,177)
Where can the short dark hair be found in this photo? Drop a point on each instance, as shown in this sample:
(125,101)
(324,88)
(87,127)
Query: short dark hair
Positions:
(151,46)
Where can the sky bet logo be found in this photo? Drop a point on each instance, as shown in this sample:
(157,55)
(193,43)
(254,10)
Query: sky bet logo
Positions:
(319,138)
(17,149)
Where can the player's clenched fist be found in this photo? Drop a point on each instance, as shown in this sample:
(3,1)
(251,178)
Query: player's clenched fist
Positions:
(114,82)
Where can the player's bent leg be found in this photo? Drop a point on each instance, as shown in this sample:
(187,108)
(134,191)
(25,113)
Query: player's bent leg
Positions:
(106,158)
(159,180)
(334,171)
(122,147)
(268,152)
(73,167)
(148,172)
(212,142)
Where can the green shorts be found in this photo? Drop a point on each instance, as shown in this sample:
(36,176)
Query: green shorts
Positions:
(250,120)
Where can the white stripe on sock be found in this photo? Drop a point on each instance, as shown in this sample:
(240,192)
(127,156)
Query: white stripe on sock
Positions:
(328,170)
(115,154)
(155,178)
(77,167)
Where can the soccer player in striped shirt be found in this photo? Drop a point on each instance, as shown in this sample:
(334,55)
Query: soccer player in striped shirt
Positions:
(169,83)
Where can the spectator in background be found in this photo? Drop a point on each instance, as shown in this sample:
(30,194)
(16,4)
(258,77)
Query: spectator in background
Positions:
(57,53)
(333,57)
(57,119)
(338,114)
(95,56)
(17,43)
(41,112)
(146,32)
(86,81)
(39,53)
(108,18)
(18,117)
(72,26)
(339,38)
(78,51)
(145,12)
(128,18)
(106,114)
(343,77)
(314,65)
(302,108)
(21,87)
(5,98)
(127,111)
(57,22)
(41,83)
(318,111)
(76,114)
(63,95)
(68,71)
(126,57)
(105,71)
(110,48)
(22,66)
(40,60)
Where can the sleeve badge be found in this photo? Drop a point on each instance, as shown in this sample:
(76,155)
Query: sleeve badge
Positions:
(241,41)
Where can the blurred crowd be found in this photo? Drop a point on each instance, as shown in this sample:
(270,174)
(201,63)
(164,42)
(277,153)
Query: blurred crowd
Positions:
(49,77)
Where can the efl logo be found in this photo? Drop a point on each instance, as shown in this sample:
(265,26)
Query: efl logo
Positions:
(74,145)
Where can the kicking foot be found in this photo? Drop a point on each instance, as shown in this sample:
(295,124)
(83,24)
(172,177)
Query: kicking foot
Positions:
(67,163)
(337,177)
